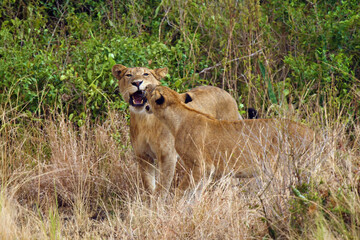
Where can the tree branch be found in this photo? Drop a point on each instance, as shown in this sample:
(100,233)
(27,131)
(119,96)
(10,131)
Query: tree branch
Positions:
(230,61)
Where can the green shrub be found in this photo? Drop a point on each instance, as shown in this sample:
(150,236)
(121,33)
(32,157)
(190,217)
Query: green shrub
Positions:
(59,54)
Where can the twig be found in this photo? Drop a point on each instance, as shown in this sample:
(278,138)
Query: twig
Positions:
(57,24)
(162,21)
(233,60)
(342,71)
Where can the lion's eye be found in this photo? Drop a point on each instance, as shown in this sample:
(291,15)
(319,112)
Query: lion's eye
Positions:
(146,74)
(128,75)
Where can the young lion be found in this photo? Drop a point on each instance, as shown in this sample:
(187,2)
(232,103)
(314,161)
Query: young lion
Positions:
(205,143)
(152,142)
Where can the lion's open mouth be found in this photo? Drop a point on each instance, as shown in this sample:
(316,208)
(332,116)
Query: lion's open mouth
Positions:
(138,99)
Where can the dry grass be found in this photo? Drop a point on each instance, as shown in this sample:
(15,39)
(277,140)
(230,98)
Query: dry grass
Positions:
(59,181)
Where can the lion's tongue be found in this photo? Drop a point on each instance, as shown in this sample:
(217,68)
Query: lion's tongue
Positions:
(137,98)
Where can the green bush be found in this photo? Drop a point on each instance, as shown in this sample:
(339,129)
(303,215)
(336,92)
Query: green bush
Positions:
(65,63)
(58,55)
(322,42)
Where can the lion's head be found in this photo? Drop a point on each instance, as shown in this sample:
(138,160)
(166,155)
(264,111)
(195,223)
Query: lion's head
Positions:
(161,97)
(133,81)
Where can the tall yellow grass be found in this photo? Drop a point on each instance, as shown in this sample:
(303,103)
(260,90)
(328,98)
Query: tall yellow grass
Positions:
(59,181)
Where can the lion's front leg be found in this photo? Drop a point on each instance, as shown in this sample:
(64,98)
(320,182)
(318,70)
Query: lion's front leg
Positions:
(147,171)
(166,165)
(192,176)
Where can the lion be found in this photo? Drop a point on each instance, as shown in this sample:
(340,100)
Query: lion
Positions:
(209,145)
(151,140)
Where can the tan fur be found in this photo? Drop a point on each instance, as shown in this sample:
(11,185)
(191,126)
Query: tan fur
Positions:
(152,142)
(206,144)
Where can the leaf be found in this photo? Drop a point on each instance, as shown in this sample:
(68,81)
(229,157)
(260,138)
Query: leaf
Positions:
(157,9)
(89,74)
(286,92)
(111,61)
(298,194)
(103,84)
(271,92)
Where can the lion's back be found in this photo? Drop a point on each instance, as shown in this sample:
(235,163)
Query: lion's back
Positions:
(215,102)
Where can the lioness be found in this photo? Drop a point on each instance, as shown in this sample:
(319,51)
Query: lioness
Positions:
(206,144)
(152,142)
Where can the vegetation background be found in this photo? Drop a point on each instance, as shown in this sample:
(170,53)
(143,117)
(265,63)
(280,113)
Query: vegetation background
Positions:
(67,169)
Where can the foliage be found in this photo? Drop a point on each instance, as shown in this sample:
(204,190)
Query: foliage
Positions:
(320,204)
(58,54)
(63,61)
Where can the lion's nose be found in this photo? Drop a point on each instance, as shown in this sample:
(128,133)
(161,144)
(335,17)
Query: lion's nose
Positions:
(137,83)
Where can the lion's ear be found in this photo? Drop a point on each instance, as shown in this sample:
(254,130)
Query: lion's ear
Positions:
(160,73)
(118,71)
(159,98)
(252,113)
(186,98)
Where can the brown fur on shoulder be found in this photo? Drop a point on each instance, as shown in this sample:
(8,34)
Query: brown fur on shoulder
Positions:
(205,143)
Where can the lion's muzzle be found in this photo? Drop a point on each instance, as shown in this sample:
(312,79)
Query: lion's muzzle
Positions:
(138,99)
